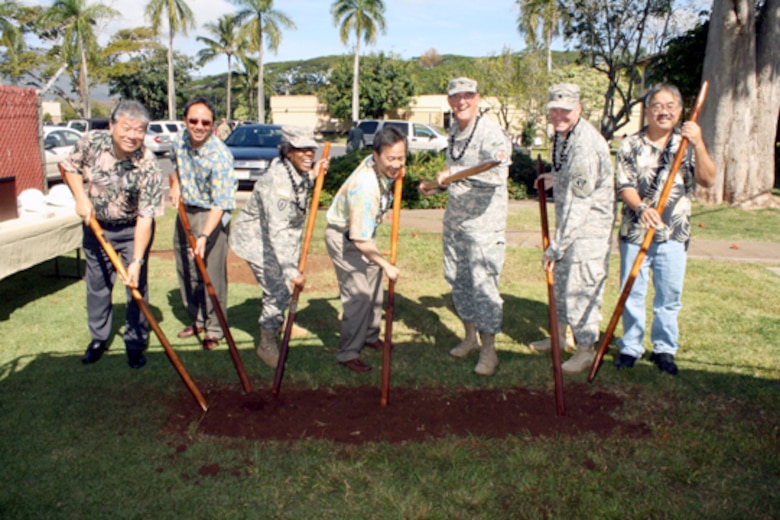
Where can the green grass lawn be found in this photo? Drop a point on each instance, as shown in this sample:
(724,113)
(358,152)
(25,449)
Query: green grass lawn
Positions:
(89,441)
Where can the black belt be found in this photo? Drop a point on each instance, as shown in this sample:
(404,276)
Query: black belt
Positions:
(117,224)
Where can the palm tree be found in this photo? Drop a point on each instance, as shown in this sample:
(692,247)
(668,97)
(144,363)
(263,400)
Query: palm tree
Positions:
(225,41)
(75,20)
(10,34)
(180,19)
(259,18)
(534,13)
(363,18)
(247,77)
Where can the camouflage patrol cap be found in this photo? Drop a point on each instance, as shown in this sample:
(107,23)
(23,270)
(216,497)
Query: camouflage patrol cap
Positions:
(564,95)
(458,85)
(298,137)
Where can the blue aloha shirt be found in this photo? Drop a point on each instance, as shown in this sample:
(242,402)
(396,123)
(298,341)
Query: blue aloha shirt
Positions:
(206,175)
(361,201)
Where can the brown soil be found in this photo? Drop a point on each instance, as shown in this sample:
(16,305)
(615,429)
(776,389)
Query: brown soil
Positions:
(353,415)
(239,271)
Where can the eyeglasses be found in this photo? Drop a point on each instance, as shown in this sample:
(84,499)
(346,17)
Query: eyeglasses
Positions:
(204,122)
(656,108)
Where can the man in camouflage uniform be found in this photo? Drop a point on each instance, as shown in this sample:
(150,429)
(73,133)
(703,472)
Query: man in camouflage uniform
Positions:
(475,222)
(644,161)
(350,237)
(117,180)
(206,184)
(578,253)
(267,233)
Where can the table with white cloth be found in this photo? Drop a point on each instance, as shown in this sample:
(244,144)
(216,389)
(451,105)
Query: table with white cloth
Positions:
(36,237)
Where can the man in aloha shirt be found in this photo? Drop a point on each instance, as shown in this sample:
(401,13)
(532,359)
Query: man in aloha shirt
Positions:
(206,184)
(644,161)
(353,217)
(117,180)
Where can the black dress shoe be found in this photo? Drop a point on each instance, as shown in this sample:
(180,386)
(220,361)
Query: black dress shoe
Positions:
(665,363)
(94,350)
(136,358)
(625,361)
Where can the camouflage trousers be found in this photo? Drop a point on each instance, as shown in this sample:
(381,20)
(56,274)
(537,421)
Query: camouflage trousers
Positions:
(276,295)
(579,287)
(472,268)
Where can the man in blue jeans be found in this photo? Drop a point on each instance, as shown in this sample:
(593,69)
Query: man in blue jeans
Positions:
(644,161)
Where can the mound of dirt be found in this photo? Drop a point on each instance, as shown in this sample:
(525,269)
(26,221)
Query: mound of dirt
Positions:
(353,414)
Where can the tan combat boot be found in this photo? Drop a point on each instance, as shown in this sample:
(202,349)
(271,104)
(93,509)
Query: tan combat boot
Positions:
(469,344)
(580,361)
(267,349)
(488,359)
(564,331)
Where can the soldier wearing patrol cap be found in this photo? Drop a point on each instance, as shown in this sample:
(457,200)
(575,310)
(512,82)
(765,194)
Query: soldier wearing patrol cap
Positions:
(578,253)
(267,232)
(475,222)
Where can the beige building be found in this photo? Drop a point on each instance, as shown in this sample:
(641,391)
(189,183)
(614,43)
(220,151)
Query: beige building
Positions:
(54,109)
(432,109)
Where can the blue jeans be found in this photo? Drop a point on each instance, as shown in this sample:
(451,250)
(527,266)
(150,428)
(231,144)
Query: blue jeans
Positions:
(667,260)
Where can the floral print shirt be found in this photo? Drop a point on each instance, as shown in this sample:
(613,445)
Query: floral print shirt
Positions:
(120,190)
(644,167)
(206,174)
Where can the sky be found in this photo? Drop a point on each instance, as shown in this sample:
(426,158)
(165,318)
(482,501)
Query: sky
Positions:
(464,27)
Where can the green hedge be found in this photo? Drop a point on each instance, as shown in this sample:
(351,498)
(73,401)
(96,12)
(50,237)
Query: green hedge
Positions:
(424,166)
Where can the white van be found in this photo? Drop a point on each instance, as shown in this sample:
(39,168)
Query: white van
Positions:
(421,136)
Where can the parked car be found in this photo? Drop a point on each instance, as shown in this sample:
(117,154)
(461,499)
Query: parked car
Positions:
(57,144)
(253,148)
(421,136)
(87,125)
(158,143)
(171,128)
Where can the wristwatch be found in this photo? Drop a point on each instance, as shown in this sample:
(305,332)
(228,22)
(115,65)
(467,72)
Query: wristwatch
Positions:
(139,261)
(203,235)
(641,208)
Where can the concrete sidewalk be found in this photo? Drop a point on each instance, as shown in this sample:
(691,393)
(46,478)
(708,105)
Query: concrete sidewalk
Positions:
(720,250)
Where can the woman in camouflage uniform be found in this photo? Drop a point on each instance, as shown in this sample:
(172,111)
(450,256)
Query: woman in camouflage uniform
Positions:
(267,233)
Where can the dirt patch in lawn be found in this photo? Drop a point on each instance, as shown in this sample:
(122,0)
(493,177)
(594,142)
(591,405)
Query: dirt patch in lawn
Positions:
(353,414)
(239,271)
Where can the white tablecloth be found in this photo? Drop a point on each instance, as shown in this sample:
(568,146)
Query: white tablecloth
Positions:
(35,237)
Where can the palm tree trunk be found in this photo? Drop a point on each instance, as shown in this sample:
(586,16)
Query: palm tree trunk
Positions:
(171,84)
(549,51)
(229,77)
(355,84)
(260,75)
(83,80)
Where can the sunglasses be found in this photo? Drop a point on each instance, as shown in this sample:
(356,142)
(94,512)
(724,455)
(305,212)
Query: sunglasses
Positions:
(204,122)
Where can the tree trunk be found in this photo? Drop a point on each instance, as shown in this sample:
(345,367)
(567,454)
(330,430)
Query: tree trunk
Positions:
(171,84)
(84,81)
(355,82)
(260,75)
(739,120)
(229,112)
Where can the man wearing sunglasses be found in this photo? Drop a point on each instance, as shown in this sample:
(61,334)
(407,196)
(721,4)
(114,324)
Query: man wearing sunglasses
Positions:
(206,184)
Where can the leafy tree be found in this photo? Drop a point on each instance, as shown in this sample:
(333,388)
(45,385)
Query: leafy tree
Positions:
(610,37)
(434,80)
(262,24)
(539,18)
(307,77)
(430,59)
(73,21)
(246,82)
(180,18)
(681,63)
(387,86)
(225,41)
(361,18)
(515,81)
(145,79)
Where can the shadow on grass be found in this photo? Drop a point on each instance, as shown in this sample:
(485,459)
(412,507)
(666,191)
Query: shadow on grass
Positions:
(37,282)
